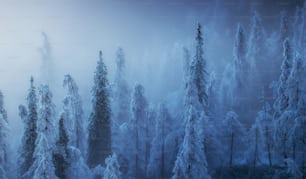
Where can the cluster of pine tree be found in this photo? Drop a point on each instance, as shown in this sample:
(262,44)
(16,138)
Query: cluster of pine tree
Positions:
(253,116)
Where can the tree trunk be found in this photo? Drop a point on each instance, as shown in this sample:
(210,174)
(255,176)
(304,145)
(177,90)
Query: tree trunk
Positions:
(256,148)
(231,150)
(268,146)
(136,156)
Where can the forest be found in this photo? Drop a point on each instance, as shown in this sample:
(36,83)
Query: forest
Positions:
(247,122)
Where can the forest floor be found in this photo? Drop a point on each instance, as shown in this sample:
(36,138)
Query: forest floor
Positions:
(259,172)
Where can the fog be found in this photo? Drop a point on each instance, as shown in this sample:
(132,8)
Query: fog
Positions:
(151,33)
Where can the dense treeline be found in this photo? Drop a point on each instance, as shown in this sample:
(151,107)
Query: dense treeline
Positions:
(250,122)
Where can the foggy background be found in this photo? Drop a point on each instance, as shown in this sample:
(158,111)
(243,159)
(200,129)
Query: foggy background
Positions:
(48,39)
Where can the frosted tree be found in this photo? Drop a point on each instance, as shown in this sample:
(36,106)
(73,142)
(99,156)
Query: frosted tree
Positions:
(121,96)
(75,115)
(236,76)
(3,140)
(29,117)
(47,63)
(254,145)
(198,73)
(77,166)
(99,128)
(159,153)
(256,42)
(191,161)
(112,168)
(60,156)
(282,99)
(121,91)
(241,65)
(285,27)
(42,167)
(266,125)
(186,63)
(233,135)
(300,136)
(297,97)
(284,133)
(139,107)
(299,27)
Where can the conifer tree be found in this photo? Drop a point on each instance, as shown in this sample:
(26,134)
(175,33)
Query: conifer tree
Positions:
(191,162)
(112,168)
(198,73)
(74,113)
(99,129)
(139,107)
(60,156)
(3,140)
(43,167)
(29,117)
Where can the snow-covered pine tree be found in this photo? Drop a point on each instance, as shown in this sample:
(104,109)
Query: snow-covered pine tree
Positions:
(99,128)
(233,136)
(198,73)
(112,168)
(121,91)
(266,125)
(121,100)
(191,161)
(74,112)
(43,167)
(3,140)
(254,150)
(285,27)
(282,99)
(159,153)
(139,107)
(297,97)
(241,64)
(60,155)
(29,117)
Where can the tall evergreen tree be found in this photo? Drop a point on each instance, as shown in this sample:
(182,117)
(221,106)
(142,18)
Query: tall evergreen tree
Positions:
(30,117)
(233,134)
(282,99)
(191,156)
(139,107)
(43,167)
(198,73)
(157,165)
(60,156)
(121,91)
(191,161)
(3,140)
(74,112)
(99,129)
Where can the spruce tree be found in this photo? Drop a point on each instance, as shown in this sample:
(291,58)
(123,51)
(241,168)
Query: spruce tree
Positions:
(74,113)
(139,107)
(3,140)
(121,91)
(282,99)
(99,129)
(198,73)
(30,117)
(191,161)
(60,156)
(43,167)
